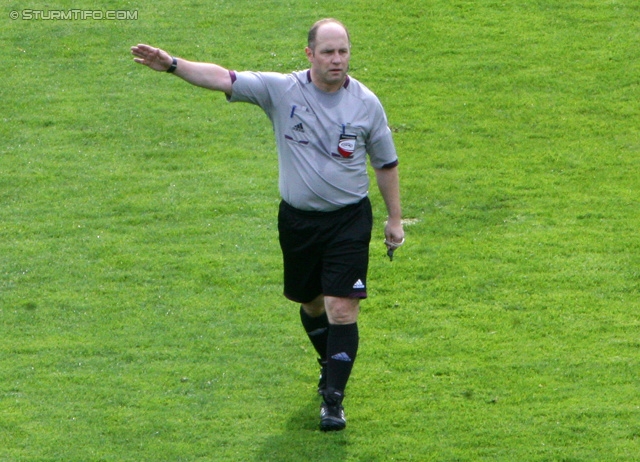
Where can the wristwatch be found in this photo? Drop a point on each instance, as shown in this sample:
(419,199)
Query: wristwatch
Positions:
(173,66)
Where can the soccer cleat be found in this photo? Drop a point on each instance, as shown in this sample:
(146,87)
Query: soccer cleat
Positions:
(322,381)
(332,413)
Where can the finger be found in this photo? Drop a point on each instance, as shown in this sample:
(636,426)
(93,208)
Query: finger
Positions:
(393,244)
(144,51)
(144,48)
(139,53)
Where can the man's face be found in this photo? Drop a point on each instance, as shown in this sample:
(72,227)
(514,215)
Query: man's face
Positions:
(330,58)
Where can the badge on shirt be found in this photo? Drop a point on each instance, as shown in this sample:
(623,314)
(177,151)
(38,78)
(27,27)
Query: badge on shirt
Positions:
(347,145)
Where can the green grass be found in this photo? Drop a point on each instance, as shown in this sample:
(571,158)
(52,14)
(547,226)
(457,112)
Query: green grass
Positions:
(141,313)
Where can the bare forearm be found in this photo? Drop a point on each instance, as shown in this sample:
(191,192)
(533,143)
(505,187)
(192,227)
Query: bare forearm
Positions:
(204,75)
(389,185)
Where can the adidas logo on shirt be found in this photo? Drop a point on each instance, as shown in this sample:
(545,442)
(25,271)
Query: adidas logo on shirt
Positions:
(299,128)
(358,284)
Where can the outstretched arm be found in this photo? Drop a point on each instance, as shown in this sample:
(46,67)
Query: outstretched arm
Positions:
(389,185)
(204,75)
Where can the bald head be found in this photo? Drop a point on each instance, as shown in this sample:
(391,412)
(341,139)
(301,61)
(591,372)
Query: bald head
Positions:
(329,52)
(328,24)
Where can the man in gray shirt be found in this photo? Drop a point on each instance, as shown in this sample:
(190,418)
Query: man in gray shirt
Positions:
(326,124)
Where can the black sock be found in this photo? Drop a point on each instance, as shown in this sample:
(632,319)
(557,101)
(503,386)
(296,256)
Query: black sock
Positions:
(317,330)
(342,348)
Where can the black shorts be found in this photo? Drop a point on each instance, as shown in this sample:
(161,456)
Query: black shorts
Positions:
(325,252)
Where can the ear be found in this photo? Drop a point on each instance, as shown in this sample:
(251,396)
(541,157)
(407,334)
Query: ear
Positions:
(309,53)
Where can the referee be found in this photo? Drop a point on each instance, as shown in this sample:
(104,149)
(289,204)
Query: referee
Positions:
(326,124)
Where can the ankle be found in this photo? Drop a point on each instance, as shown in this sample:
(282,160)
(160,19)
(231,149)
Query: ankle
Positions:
(333,397)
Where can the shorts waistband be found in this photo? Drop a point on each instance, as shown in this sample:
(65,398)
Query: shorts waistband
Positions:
(318,213)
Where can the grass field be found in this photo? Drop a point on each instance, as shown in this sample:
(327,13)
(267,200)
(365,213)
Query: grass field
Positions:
(141,316)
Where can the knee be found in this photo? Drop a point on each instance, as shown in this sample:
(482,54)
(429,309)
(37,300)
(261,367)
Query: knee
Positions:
(315,307)
(342,310)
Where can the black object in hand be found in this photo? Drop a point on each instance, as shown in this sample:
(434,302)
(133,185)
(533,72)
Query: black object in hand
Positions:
(390,254)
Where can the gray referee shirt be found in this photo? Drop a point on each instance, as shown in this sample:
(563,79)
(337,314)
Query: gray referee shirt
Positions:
(322,138)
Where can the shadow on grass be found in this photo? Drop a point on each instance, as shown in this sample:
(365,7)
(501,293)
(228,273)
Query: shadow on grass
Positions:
(302,440)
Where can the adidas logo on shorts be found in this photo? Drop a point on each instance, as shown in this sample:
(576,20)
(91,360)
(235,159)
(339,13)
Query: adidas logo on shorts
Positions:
(358,284)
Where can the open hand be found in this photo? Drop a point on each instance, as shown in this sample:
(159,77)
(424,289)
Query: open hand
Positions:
(155,58)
